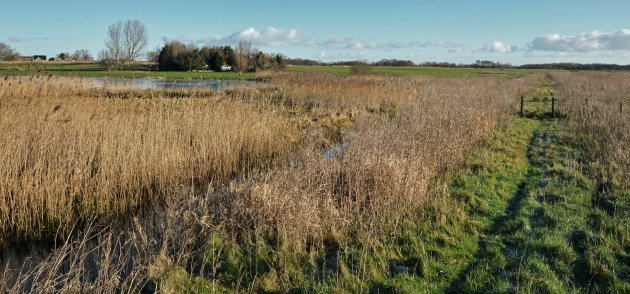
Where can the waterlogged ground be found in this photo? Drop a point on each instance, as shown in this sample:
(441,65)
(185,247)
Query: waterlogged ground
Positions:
(138,70)
(157,84)
(526,213)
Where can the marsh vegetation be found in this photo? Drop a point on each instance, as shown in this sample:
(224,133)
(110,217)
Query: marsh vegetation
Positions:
(234,190)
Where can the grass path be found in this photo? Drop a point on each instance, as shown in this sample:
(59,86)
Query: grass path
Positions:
(549,236)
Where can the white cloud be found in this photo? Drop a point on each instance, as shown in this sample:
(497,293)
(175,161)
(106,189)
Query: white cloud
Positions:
(355,46)
(273,37)
(587,42)
(344,55)
(400,45)
(440,44)
(361,46)
(372,45)
(267,37)
(498,47)
(336,41)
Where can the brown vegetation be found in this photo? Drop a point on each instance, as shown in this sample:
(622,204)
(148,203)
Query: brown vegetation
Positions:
(599,106)
(66,155)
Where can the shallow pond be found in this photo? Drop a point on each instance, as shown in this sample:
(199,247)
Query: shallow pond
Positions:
(152,83)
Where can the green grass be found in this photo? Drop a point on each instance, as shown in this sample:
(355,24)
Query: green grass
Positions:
(144,71)
(100,70)
(543,238)
(524,214)
(520,216)
(390,70)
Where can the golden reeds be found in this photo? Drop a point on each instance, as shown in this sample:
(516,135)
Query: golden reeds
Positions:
(405,131)
(68,147)
(599,106)
(65,156)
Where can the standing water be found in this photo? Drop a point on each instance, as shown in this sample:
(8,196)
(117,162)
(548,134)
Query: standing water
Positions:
(152,83)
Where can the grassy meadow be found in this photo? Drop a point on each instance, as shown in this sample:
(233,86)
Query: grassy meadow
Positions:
(90,69)
(397,180)
(435,71)
(149,70)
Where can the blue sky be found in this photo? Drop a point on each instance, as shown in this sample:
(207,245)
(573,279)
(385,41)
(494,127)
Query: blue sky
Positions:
(517,32)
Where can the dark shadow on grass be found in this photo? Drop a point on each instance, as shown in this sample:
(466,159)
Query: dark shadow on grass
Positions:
(543,115)
(499,224)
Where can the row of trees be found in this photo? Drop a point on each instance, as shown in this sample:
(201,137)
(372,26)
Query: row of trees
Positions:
(178,56)
(382,62)
(78,55)
(9,54)
(576,66)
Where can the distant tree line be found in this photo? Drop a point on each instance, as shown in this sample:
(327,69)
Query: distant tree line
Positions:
(177,56)
(305,62)
(9,54)
(394,62)
(476,64)
(576,66)
(78,55)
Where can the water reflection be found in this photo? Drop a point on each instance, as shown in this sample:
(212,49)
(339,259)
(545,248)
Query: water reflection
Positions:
(150,83)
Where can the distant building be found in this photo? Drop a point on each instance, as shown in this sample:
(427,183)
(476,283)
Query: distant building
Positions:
(33,58)
(226,67)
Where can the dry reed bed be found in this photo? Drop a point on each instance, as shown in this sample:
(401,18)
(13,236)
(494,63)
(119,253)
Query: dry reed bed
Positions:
(423,126)
(599,106)
(65,156)
(398,134)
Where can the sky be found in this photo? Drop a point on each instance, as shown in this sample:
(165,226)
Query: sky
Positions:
(458,31)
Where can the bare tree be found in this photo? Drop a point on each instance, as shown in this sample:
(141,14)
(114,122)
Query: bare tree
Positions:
(82,55)
(125,41)
(103,56)
(242,54)
(114,42)
(7,53)
(135,38)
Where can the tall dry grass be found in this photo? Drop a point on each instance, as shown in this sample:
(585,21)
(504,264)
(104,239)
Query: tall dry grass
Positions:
(598,104)
(67,154)
(397,135)
(405,131)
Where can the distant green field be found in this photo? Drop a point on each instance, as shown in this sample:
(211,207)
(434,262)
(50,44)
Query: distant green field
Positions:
(99,70)
(390,70)
(147,70)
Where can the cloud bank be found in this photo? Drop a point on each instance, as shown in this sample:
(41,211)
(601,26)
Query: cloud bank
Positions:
(587,42)
(267,37)
(275,37)
(498,47)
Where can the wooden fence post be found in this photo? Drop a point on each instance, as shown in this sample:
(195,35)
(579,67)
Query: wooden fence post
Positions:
(522,101)
(553,106)
(620,107)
